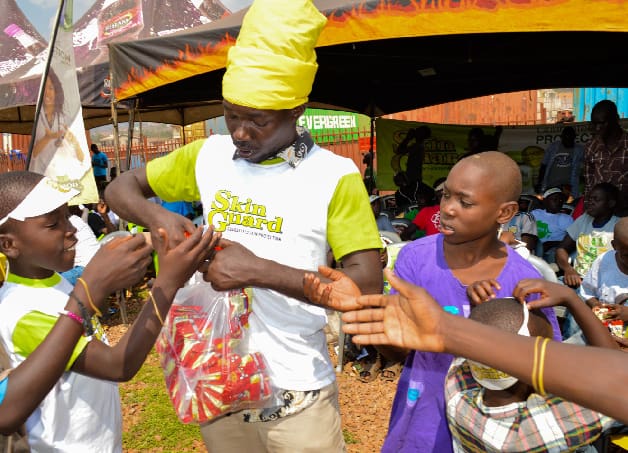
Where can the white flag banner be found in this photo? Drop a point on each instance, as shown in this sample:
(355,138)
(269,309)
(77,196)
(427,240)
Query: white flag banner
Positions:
(59,148)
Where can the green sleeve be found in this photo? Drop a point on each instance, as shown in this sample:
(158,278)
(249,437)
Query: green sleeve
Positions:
(350,221)
(33,328)
(173,176)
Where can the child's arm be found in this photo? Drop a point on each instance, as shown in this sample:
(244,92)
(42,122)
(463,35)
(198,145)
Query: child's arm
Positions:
(553,294)
(566,247)
(122,361)
(593,302)
(30,382)
(592,377)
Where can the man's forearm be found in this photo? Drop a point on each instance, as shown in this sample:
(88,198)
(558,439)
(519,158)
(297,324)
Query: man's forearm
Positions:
(127,198)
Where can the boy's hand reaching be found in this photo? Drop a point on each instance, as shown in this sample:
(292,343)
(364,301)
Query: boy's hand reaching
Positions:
(177,263)
(339,294)
(482,291)
(411,319)
(616,312)
(551,294)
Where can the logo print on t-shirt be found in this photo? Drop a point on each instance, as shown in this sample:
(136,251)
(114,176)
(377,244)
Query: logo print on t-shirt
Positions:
(542,229)
(227,209)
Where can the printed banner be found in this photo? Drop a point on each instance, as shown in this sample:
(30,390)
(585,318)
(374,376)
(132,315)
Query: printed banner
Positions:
(59,149)
(330,125)
(448,143)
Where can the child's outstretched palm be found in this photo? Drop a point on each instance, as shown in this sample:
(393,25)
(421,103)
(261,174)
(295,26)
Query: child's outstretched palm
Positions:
(410,319)
(339,294)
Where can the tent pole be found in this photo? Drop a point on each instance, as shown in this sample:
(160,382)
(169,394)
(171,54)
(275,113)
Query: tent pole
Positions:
(116,148)
(116,134)
(129,138)
(372,149)
(142,147)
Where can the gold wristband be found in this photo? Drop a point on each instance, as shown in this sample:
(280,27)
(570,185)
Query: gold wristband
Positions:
(89,298)
(152,299)
(541,388)
(535,364)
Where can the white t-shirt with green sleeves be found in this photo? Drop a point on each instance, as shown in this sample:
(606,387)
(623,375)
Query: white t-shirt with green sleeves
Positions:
(80,414)
(289,215)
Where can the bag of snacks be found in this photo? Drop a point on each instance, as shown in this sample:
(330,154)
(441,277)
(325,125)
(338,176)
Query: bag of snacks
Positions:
(202,347)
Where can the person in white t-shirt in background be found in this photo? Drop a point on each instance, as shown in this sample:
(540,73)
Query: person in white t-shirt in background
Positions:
(606,283)
(551,224)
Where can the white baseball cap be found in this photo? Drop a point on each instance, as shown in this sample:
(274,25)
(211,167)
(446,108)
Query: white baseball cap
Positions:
(552,191)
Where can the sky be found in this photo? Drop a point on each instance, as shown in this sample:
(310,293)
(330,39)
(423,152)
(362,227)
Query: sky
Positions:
(41,13)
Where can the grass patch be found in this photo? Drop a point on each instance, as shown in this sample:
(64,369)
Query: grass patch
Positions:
(150,420)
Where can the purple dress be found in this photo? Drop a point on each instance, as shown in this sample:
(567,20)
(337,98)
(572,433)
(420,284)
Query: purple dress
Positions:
(418,422)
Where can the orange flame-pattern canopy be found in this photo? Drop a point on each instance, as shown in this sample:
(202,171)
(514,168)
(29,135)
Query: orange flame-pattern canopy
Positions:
(142,66)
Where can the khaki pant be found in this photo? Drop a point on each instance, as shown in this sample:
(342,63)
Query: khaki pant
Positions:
(316,429)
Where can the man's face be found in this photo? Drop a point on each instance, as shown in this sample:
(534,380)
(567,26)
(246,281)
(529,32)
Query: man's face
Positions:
(568,138)
(601,123)
(259,134)
(598,203)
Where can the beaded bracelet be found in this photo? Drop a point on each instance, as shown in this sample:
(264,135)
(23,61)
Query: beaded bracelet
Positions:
(89,298)
(72,316)
(87,323)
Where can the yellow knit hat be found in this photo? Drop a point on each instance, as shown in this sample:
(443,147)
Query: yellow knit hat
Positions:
(273,63)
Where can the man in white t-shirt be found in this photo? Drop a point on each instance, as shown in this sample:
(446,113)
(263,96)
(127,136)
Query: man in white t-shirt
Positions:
(280,202)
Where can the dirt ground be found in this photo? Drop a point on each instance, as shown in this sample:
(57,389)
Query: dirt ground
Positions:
(365,407)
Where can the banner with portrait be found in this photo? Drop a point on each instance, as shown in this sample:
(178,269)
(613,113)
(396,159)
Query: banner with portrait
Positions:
(59,147)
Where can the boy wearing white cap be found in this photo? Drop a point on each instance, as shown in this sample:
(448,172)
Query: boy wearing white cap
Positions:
(281,202)
(551,224)
(82,412)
